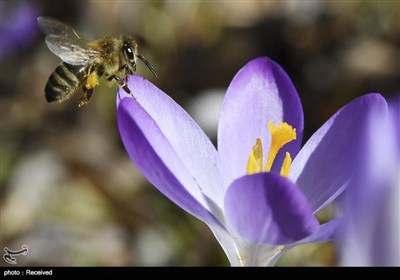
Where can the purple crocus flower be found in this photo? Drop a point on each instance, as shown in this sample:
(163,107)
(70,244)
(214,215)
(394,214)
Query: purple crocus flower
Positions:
(372,202)
(18,26)
(256,209)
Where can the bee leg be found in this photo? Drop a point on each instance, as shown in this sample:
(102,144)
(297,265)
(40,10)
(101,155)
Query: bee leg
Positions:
(82,102)
(121,83)
(89,94)
(85,100)
(127,70)
(123,67)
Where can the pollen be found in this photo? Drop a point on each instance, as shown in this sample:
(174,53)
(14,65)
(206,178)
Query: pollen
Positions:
(280,136)
(92,80)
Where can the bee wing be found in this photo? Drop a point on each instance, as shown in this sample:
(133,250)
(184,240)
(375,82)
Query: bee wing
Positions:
(72,51)
(67,43)
(52,26)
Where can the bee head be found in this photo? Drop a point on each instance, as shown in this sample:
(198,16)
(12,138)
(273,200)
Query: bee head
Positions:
(130,52)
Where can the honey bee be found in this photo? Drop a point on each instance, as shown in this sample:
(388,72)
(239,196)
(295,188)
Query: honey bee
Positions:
(85,62)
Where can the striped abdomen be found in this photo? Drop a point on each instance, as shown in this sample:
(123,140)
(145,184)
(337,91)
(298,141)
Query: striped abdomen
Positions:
(64,82)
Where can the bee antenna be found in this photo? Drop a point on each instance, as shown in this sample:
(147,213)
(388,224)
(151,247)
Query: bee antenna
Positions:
(147,64)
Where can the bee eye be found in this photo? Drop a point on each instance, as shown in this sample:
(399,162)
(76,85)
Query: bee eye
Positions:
(129,53)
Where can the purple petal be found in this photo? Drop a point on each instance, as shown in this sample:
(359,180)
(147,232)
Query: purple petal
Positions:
(150,150)
(326,163)
(199,159)
(394,108)
(327,232)
(371,204)
(18,26)
(267,208)
(260,92)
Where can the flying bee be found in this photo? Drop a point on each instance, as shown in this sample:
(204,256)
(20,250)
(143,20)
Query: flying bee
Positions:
(85,62)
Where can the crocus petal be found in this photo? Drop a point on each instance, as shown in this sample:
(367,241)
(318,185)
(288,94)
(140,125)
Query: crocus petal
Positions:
(150,150)
(191,146)
(227,243)
(325,164)
(327,232)
(394,108)
(260,92)
(371,204)
(267,208)
(18,26)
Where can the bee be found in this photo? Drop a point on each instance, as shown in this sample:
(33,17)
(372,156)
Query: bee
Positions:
(85,62)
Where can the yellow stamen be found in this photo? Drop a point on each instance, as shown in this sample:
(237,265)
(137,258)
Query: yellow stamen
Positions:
(286,165)
(255,162)
(279,137)
(92,80)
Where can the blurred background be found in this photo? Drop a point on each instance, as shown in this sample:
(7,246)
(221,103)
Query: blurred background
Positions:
(69,190)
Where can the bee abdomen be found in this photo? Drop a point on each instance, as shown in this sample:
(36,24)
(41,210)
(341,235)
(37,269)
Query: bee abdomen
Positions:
(63,82)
